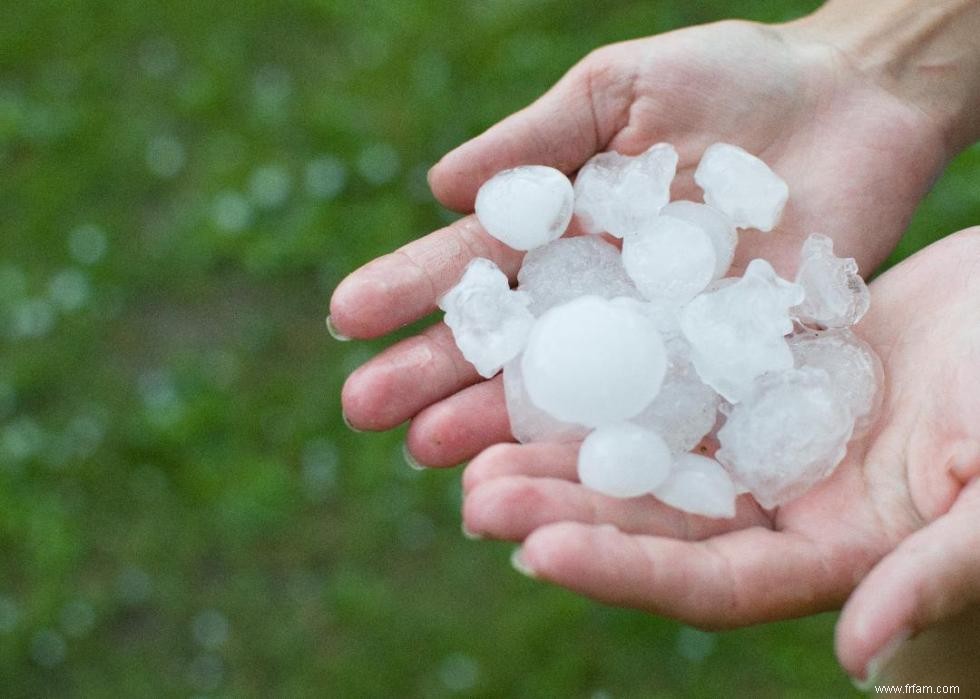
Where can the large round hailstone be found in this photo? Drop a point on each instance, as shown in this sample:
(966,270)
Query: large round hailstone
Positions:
(525,207)
(592,362)
(623,460)
(528,422)
(719,228)
(670,259)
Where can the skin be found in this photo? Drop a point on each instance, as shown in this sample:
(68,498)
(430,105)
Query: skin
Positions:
(892,532)
(899,519)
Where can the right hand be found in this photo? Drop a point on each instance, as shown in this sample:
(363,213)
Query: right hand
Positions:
(857,160)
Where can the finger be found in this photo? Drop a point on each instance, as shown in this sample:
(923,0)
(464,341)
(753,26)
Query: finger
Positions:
(461,426)
(511,507)
(405,379)
(739,578)
(563,128)
(542,459)
(403,286)
(932,576)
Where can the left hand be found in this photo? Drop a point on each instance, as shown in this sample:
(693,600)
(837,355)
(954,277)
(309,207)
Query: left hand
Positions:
(899,520)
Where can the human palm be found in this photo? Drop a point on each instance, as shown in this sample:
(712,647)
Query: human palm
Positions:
(907,492)
(857,160)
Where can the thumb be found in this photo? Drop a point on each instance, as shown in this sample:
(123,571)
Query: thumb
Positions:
(563,129)
(932,577)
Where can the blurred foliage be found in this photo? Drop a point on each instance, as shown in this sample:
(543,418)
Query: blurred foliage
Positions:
(182,511)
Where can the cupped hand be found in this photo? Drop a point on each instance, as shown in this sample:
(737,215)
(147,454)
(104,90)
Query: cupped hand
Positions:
(895,531)
(857,160)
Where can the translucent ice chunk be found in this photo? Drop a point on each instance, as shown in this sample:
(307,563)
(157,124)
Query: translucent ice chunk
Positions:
(591,362)
(855,370)
(741,186)
(836,295)
(736,333)
(525,207)
(490,322)
(700,486)
(567,268)
(790,434)
(618,194)
(623,460)
(722,231)
(685,409)
(528,423)
(669,259)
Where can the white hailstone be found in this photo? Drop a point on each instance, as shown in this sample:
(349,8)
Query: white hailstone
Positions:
(719,228)
(790,434)
(836,295)
(685,409)
(623,460)
(638,352)
(663,315)
(525,207)
(591,362)
(490,321)
(741,186)
(618,194)
(669,259)
(737,332)
(855,370)
(567,268)
(700,486)
(528,422)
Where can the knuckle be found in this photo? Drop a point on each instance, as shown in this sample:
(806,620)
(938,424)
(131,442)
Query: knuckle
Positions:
(482,467)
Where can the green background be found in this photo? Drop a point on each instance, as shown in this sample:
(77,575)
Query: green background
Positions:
(182,511)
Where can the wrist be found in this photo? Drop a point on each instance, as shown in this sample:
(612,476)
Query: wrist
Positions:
(925,54)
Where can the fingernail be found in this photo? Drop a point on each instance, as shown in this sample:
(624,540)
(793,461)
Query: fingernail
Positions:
(334,333)
(468,534)
(347,422)
(881,659)
(410,460)
(518,564)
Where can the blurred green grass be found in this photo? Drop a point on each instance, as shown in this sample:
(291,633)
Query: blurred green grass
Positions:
(182,511)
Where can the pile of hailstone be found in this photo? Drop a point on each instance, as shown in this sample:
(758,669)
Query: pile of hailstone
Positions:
(652,356)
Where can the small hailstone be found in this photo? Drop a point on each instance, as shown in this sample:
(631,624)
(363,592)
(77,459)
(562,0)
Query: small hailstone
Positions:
(855,370)
(591,362)
(623,460)
(669,259)
(722,231)
(528,423)
(567,268)
(741,186)
(790,434)
(836,295)
(737,332)
(700,486)
(618,194)
(490,321)
(525,207)
(685,409)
